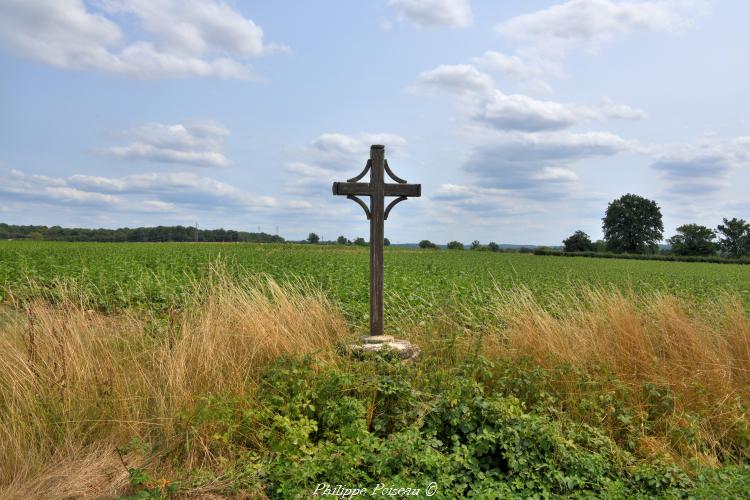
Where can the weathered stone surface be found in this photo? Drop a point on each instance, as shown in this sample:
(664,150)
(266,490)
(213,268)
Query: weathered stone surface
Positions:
(401,348)
(377,339)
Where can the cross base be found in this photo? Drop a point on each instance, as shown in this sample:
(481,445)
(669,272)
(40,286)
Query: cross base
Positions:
(402,349)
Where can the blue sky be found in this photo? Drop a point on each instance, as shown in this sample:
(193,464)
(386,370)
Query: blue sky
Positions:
(522,120)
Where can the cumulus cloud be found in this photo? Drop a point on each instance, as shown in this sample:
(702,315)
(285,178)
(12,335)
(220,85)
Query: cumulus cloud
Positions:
(519,112)
(305,178)
(185,38)
(455,13)
(185,188)
(20,186)
(339,151)
(704,168)
(590,23)
(461,79)
(148,192)
(538,162)
(471,205)
(545,36)
(197,143)
(530,70)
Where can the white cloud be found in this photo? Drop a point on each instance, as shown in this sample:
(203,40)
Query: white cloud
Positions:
(19,186)
(149,192)
(546,36)
(476,205)
(455,13)
(538,163)
(461,79)
(704,168)
(196,143)
(186,38)
(521,112)
(185,188)
(590,23)
(339,151)
(531,71)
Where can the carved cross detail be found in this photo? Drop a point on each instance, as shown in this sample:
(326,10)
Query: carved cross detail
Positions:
(377,189)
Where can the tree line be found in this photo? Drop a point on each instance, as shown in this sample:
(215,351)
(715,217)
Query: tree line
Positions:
(136,234)
(633,224)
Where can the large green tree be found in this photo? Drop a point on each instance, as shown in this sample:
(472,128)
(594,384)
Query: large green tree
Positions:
(734,237)
(693,239)
(632,224)
(578,242)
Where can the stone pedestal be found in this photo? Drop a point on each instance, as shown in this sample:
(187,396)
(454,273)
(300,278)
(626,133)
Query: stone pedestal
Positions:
(402,348)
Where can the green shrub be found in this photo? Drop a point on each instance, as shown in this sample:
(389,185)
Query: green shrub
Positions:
(464,429)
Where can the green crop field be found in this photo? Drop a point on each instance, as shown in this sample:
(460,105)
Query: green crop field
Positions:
(156,275)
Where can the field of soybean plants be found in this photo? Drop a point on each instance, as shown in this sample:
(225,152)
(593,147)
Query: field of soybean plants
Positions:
(156,276)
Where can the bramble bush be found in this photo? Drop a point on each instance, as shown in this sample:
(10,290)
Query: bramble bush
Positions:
(475,430)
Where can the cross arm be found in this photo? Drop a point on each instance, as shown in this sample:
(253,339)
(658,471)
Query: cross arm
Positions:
(364,189)
(352,188)
(408,190)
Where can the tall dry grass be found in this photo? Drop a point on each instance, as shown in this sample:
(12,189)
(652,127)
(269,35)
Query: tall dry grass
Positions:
(76,384)
(698,354)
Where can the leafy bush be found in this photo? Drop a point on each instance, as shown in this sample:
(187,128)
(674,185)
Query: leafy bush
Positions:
(375,423)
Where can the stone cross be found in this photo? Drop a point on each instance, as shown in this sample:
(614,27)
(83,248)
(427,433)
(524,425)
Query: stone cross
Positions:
(377,189)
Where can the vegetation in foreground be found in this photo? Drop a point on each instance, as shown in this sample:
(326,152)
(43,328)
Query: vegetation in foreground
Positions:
(248,392)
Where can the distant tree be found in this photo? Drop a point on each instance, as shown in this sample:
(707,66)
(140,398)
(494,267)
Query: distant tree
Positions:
(693,239)
(455,245)
(525,250)
(360,242)
(386,242)
(475,245)
(632,224)
(600,246)
(578,242)
(313,238)
(427,244)
(36,235)
(734,237)
(341,240)
(494,247)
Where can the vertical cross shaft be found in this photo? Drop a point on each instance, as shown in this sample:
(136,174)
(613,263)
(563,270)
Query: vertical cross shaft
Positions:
(377,189)
(377,202)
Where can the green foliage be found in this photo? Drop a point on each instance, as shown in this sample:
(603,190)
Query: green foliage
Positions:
(341,240)
(313,238)
(360,242)
(734,237)
(455,245)
(475,245)
(144,487)
(427,244)
(126,234)
(474,430)
(386,242)
(578,242)
(632,224)
(693,239)
(493,247)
